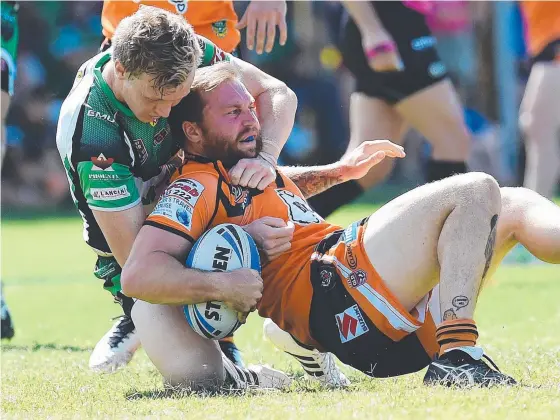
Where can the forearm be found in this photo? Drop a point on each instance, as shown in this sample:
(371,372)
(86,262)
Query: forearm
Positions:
(277,109)
(313,180)
(364,15)
(161,278)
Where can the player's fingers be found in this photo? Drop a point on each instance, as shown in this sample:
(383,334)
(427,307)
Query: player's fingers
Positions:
(255,179)
(243,22)
(261,34)
(246,176)
(251,28)
(266,180)
(270,34)
(236,172)
(275,222)
(275,253)
(242,317)
(375,158)
(283,30)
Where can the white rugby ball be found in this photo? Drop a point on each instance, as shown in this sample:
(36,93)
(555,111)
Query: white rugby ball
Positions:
(226,247)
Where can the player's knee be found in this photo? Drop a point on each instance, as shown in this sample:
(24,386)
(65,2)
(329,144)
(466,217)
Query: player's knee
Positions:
(482,189)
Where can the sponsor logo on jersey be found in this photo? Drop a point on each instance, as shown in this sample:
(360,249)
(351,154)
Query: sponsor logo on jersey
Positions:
(356,278)
(176,209)
(189,190)
(109,194)
(350,324)
(351,258)
(219,56)
(160,136)
(180,5)
(100,116)
(101,163)
(140,148)
(220,28)
(104,176)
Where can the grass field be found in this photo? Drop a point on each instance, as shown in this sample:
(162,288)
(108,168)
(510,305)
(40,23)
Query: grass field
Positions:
(60,311)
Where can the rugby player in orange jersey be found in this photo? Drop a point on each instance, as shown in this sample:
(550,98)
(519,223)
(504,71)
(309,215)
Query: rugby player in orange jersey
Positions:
(540,109)
(215,20)
(389,295)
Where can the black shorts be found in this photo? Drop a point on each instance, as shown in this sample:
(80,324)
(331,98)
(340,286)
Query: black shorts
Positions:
(415,43)
(339,325)
(549,53)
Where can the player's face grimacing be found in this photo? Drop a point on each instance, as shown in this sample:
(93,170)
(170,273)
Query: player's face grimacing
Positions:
(230,125)
(148,103)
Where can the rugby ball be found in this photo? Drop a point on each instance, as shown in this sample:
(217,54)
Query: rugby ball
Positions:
(226,247)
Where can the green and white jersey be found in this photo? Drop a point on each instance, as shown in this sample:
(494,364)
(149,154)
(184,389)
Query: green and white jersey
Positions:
(113,160)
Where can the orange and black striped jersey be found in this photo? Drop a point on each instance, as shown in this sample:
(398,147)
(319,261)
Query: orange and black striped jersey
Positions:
(200,197)
(214,20)
(542,20)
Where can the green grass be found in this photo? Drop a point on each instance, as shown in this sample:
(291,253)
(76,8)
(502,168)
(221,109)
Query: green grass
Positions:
(60,311)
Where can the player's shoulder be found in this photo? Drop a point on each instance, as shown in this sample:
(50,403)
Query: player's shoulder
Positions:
(206,172)
(211,53)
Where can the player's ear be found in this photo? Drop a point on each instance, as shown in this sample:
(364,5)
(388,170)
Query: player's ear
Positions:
(119,70)
(192,131)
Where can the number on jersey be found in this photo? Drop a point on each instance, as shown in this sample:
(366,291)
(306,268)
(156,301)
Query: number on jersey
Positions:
(299,210)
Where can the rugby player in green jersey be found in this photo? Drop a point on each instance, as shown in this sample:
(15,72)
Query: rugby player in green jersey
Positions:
(116,145)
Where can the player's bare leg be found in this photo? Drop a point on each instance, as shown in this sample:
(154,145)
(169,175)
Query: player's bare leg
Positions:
(540,119)
(445,233)
(187,360)
(370,119)
(531,220)
(437,114)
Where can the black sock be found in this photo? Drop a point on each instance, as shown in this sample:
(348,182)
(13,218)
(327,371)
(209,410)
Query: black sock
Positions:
(335,197)
(439,169)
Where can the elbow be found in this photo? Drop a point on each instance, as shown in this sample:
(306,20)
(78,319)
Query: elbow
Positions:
(292,98)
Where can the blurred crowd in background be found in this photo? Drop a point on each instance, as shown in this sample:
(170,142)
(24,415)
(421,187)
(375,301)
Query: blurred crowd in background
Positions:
(56,37)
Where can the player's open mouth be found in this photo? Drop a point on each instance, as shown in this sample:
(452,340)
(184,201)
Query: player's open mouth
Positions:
(249,139)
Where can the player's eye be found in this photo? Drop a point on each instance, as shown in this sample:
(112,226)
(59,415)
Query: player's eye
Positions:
(236,111)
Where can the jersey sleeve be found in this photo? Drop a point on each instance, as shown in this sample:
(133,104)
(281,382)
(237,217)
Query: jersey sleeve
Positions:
(187,206)
(211,53)
(103,164)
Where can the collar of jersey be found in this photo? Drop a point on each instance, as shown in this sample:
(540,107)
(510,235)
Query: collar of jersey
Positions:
(105,87)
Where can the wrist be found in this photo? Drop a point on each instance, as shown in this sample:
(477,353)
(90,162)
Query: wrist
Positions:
(221,287)
(268,158)
(341,171)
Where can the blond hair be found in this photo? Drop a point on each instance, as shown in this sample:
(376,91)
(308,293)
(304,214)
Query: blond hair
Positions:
(159,43)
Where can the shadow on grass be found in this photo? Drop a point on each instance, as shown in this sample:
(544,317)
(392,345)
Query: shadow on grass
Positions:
(48,346)
(299,385)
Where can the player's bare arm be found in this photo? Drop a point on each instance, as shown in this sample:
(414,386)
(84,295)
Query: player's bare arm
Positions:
(313,180)
(276,105)
(120,228)
(154,273)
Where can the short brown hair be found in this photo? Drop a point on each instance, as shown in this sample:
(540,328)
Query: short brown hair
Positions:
(159,43)
(192,106)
